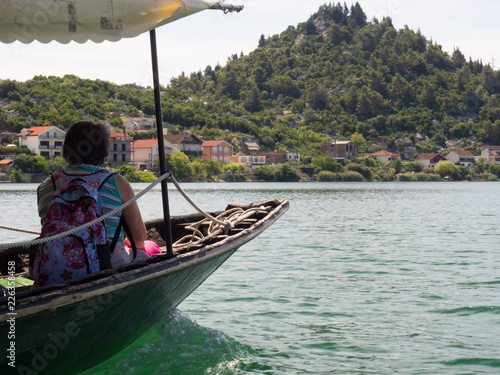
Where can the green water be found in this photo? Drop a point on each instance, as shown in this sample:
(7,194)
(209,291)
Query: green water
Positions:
(368,278)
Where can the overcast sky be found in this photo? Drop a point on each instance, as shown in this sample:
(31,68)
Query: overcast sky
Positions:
(209,37)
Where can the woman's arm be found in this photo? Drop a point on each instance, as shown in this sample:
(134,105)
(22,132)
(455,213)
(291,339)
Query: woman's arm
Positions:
(132,214)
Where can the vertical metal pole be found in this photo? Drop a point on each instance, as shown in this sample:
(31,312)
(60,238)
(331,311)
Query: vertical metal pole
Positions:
(161,143)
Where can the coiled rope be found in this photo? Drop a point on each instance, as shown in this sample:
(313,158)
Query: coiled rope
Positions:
(232,217)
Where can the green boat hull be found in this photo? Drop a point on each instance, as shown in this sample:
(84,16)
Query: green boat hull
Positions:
(63,341)
(68,328)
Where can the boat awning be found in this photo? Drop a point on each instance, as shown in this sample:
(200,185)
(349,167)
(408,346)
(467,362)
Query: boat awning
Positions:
(95,20)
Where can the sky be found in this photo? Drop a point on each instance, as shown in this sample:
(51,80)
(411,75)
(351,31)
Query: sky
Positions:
(210,37)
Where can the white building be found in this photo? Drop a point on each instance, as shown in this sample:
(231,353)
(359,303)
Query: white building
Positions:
(491,154)
(462,157)
(145,152)
(135,124)
(46,141)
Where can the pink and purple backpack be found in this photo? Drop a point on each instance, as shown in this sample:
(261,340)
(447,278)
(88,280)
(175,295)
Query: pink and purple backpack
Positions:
(76,201)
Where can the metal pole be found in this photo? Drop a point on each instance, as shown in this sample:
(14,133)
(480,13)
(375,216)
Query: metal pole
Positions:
(161,143)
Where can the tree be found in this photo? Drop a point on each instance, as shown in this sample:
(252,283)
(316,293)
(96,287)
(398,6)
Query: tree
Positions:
(213,168)
(310,27)
(31,164)
(327,163)
(357,139)
(251,97)
(198,168)
(264,172)
(363,170)
(133,175)
(448,169)
(180,165)
(398,165)
(57,163)
(413,166)
(358,15)
(128,172)
(16,176)
(262,41)
(286,173)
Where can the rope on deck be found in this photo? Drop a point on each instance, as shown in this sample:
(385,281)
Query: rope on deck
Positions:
(216,225)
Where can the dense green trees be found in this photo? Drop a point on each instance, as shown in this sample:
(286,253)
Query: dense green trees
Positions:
(447,169)
(334,75)
(183,169)
(280,173)
(31,164)
(133,175)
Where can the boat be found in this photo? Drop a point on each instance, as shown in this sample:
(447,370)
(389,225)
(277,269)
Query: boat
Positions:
(72,326)
(69,327)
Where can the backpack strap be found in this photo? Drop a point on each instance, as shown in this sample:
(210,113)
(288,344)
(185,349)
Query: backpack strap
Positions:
(123,223)
(106,179)
(54,176)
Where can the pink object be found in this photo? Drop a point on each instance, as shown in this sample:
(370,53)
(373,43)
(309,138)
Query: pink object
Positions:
(151,248)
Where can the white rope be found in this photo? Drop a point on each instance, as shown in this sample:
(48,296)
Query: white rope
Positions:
(41,241)
(226,223)
(233,217)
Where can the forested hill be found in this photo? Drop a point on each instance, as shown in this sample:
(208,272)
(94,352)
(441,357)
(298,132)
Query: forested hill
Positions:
(331,76)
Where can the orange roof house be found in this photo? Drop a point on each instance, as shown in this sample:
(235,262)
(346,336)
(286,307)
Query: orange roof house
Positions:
(35,130)
(45,141)
(5,164)
(217,150)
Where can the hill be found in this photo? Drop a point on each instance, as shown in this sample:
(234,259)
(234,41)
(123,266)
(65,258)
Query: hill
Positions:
(332,76)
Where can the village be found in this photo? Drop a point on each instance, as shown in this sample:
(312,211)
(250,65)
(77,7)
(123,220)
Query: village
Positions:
(47,141)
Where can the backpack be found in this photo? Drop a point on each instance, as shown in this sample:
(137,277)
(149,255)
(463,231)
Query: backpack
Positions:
(76,201)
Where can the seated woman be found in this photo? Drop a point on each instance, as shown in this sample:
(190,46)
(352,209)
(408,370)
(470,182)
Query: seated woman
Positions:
(86,148)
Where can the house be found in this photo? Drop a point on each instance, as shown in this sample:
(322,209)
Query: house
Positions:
(217,150)
(491,154)
(462,157)
(249,148)
(120,152)
(186,143)
(145,152)
(46,141)
(274,157)
(135,124)
(249,160)
(429,160)
(340,150)
(5,165)
(384,156)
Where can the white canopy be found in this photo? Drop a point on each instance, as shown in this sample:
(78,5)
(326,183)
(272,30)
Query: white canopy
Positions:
(96,20)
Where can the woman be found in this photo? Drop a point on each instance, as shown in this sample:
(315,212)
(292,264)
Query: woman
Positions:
(86,148)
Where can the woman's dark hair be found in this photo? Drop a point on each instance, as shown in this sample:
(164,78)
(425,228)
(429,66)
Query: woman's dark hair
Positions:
(86,142)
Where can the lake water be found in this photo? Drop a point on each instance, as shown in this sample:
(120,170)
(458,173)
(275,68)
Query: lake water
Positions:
(356,278)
